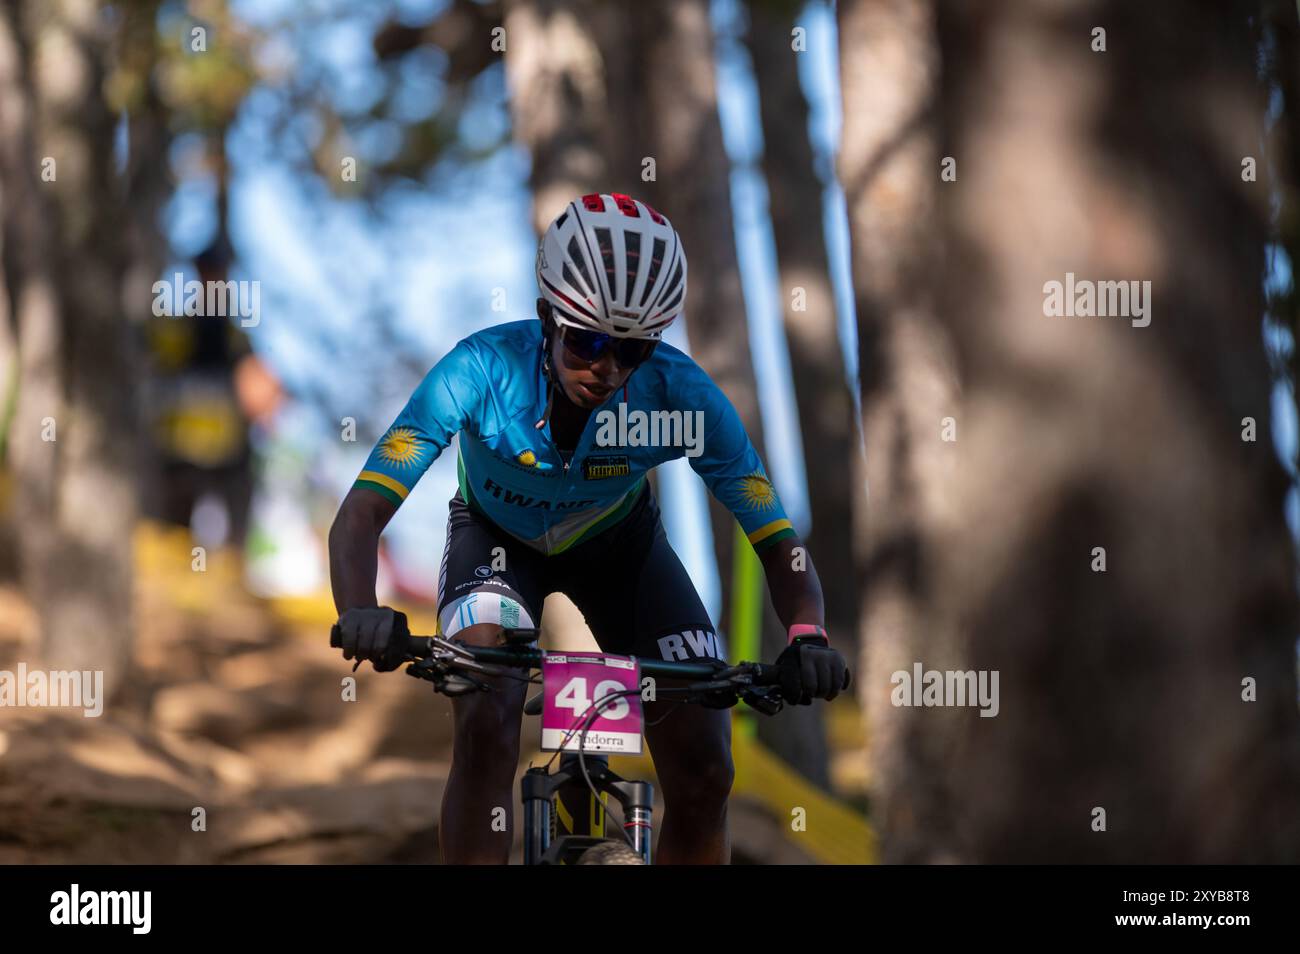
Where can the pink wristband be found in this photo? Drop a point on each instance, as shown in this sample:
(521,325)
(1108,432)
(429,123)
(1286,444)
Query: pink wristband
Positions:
(806,629)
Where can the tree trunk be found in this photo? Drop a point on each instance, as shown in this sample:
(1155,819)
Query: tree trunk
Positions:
(77,500)
(557,101)
(825,406)
(33,303)
(889,170)
(1124,691)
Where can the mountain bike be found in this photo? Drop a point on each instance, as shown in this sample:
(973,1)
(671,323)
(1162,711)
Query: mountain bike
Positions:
(564,811)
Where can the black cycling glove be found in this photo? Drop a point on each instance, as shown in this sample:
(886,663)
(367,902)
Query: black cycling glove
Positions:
(378,634)
(810,670)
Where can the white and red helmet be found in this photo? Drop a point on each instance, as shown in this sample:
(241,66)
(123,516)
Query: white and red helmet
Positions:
(612,264)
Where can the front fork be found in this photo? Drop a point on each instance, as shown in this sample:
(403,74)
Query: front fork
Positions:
(540,789)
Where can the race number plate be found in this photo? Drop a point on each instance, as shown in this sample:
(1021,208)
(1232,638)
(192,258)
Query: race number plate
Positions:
(571,683)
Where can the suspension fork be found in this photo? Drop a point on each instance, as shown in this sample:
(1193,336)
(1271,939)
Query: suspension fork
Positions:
(540,791)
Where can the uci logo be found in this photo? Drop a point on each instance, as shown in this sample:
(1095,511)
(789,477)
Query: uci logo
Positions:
(483,572)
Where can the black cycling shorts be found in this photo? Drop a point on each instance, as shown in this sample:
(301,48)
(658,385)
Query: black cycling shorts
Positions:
(626,581)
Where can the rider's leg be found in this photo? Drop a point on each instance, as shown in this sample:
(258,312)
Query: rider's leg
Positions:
(692,756)
(483,762)
(477,597)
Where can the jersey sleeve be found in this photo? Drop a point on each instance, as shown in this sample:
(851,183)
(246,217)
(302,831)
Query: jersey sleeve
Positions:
(445,401)
(731,469)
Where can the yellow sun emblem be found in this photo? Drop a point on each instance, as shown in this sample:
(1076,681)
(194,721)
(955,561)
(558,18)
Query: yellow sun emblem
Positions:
(401,447)
(756,491)
(527,458)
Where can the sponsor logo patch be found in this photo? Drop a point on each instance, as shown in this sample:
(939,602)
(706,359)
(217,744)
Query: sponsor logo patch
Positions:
(601,467)
(509,613)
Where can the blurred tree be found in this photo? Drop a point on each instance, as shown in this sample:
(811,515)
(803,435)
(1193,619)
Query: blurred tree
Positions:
(465,49)
(826,417)
(1159,687)
(73,432)
(558,101)
(889,169)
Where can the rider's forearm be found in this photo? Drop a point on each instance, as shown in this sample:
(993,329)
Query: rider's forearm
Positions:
(354,560)
(792,580)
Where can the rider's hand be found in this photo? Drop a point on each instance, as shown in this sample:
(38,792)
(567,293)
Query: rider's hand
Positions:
(810,670)
(375,633)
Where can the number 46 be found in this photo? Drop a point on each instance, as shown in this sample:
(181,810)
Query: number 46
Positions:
(574,696)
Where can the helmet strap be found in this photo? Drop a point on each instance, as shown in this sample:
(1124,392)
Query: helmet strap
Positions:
(546,369)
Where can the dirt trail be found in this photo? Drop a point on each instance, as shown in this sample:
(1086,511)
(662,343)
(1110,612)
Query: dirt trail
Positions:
(231,713)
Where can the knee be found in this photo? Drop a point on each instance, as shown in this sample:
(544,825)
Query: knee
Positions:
(479,634)
(717,780)
(707,784)
(487,734)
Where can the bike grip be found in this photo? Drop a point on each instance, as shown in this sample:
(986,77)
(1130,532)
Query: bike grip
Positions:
(419,646)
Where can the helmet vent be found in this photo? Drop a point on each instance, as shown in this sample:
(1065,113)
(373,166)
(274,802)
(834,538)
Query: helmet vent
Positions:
(572,279)
(606,244)
(656,260)
(671,283)
(575,253)
(632,246)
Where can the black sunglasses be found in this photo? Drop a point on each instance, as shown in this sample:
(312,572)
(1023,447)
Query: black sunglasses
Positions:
(593,345)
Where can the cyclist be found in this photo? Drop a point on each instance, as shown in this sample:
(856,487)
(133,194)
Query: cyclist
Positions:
(559,421)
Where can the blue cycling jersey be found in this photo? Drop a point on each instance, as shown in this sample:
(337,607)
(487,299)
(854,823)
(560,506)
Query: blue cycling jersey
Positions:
(490,389)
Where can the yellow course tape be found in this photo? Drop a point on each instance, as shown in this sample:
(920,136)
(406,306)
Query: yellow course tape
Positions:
(834,833)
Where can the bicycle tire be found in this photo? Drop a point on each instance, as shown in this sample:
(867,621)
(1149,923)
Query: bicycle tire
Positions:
(610,853)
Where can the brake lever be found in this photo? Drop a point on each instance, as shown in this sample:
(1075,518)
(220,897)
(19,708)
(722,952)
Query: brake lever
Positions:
(444,681)
(451,646)
(768,703)
(430,669)
(459,684)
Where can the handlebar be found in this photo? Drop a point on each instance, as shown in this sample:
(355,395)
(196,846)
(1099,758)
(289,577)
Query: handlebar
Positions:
(521,653)
(763,674)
